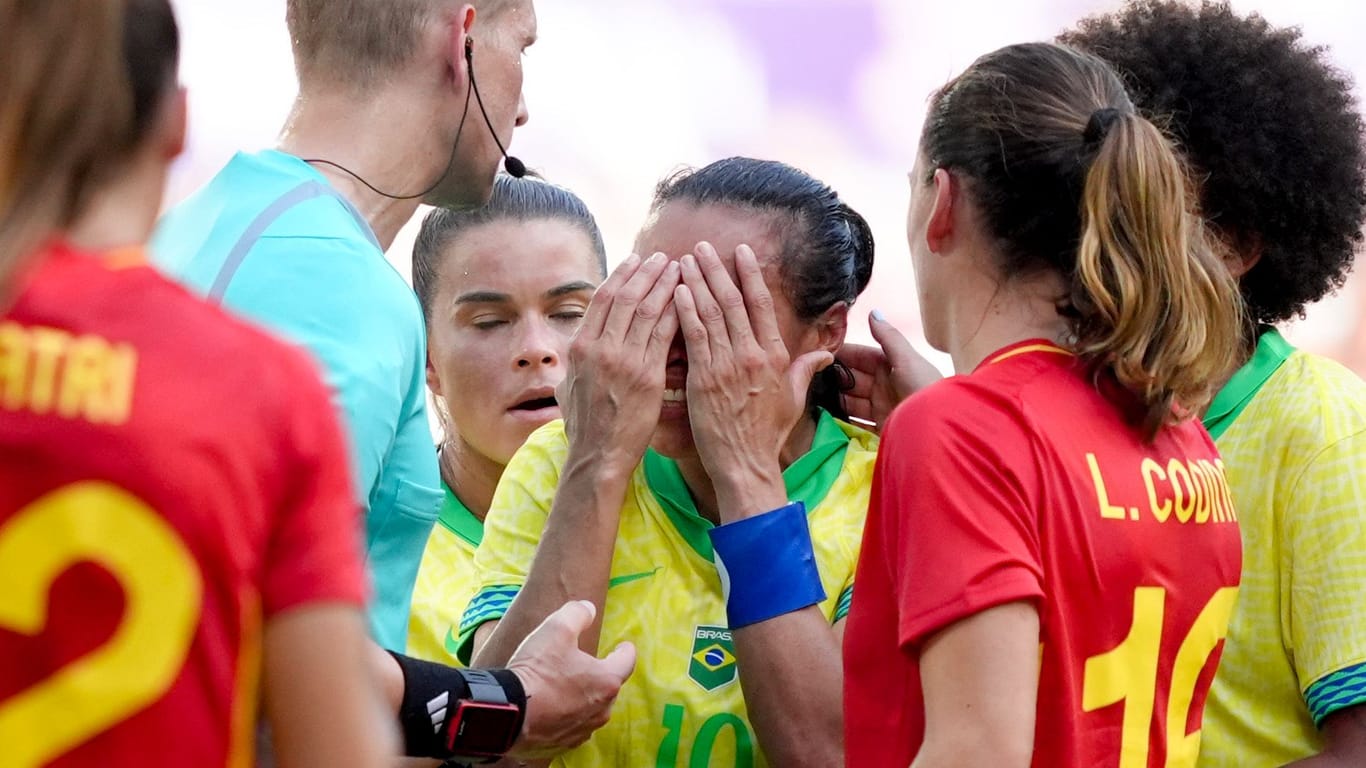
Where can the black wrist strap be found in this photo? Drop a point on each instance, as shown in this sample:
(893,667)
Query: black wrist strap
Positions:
(431,693)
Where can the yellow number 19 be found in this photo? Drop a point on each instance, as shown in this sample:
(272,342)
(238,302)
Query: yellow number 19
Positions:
(1128,673)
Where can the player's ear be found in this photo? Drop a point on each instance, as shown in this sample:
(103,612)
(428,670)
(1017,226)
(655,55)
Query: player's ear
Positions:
(461,45)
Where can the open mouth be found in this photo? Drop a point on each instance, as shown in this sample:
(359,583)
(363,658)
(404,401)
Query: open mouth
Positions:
(535,404)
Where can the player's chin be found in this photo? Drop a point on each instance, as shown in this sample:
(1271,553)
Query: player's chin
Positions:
(673,435)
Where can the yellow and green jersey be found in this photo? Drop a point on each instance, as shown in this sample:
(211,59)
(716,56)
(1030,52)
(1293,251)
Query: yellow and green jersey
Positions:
(445,582)
(1292,430)
(683,707)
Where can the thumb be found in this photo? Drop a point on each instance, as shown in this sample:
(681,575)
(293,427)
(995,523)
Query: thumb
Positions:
(892,341)
(621,662)
(575,617)
(805,368)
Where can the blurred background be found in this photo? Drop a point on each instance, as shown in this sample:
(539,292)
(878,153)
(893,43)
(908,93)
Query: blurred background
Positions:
(622,92)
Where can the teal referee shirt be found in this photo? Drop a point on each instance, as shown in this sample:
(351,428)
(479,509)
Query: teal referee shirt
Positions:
(269,238)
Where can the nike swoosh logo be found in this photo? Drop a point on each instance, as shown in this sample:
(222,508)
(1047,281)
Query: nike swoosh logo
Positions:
(452,645)
(617,581)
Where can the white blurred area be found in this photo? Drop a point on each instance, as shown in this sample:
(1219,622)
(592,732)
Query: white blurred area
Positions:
(622,92)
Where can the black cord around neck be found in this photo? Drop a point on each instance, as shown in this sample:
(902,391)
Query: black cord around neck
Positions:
(449,163)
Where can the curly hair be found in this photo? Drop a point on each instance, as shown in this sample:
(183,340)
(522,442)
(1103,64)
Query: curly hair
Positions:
(1270,126)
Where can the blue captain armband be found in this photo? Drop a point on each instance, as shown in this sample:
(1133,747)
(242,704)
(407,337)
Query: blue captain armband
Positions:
(767,565)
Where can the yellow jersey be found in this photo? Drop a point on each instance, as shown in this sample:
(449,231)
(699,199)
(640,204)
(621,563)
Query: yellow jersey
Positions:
(1292,430)
(445,582)
(683,707)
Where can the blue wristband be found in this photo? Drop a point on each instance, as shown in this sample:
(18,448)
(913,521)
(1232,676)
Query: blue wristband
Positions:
(767,565)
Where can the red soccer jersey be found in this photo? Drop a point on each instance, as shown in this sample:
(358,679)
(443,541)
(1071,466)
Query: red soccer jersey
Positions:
(1023,482)
(170,479)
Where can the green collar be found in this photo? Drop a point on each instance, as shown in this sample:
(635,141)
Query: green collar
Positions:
(1272,350)
(458,519)
(808,480)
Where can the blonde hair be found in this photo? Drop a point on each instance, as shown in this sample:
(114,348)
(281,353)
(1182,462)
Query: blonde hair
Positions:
(1069,178)
(359,43)
(1156,305)
(65,101)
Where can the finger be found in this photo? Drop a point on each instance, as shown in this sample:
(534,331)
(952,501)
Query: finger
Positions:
(758,300)
(662,337)
(804,369)
(574,617)
(695,333)
(893,342)
(620,663)
(864,383)
(707,310)
(651,309)
(858,407)
(726,294)
(628,297)
(598,308)
(862,358)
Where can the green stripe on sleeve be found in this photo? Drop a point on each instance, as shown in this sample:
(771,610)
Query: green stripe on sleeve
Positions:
(489,604)
(1336,691)
(843,604)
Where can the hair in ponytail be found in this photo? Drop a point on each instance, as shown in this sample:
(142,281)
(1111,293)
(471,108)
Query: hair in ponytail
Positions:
(827,247)
(1069,178)
(1153,302)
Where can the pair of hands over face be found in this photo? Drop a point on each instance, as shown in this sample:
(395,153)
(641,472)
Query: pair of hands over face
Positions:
(744,391)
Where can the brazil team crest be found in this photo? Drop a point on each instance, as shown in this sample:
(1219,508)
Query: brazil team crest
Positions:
(712,664)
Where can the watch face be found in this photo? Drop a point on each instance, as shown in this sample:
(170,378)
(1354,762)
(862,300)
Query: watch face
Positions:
(483,730)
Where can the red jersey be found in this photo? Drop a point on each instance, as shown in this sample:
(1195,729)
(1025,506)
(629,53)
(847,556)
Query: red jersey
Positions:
(169,480)
(1023,482)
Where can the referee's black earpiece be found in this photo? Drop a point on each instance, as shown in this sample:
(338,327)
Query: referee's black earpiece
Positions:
(515,168)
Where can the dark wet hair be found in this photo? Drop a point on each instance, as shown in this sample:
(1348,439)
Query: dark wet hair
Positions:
(826,246)
(1069,179)
(1270,126)
(525,199)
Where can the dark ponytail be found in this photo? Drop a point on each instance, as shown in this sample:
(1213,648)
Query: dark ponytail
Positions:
(826,246)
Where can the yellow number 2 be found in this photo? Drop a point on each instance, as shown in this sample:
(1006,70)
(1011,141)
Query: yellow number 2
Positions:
(99,523)
(1128,673)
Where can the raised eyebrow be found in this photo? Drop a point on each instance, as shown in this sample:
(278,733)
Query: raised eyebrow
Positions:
(482,297)
(575,287)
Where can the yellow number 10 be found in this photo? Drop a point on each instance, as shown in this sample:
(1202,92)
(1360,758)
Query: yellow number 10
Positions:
(1128,673)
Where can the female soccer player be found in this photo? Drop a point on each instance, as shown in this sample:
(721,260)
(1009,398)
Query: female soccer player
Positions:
(1051,556)
(1283,170)
(176,516)
(502,288)
(707,503)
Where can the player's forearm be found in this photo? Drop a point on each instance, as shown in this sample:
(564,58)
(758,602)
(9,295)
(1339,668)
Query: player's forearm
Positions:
(573,560)
(791,673)
(1344,734)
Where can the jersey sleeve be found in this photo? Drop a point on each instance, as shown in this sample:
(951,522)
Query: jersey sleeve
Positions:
(512,530)
(314,547)
(1325,568)
(956,513)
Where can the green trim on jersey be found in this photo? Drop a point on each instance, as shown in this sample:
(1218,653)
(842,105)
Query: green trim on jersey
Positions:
(1272,350)
(846,601)
(458,519)
(808,480)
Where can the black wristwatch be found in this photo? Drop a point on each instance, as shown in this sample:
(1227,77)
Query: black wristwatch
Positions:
(487,724)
